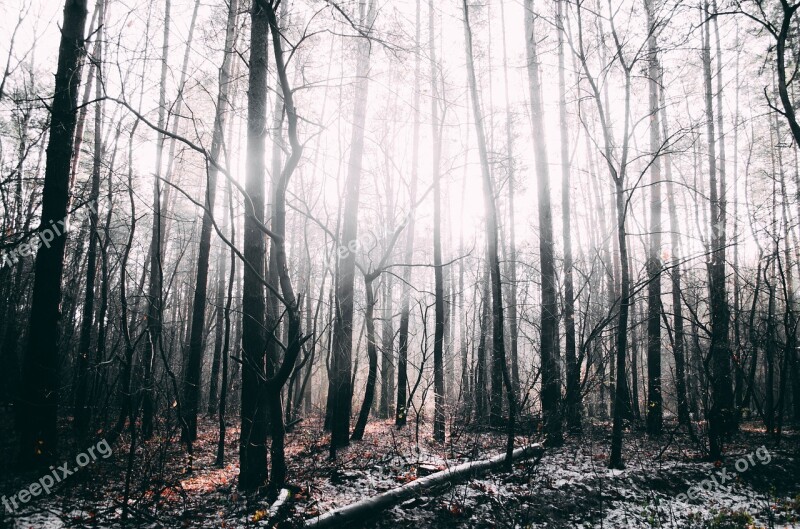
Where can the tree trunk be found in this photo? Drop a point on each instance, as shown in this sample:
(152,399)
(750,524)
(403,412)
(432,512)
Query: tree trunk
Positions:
(500,374)
(191,386)
(365,509)
(223,396)
(439,316)
(721,412)
(155,296)
(678,347)
(372,352)
(511,266)
(401,414)
(572,401)
(38,403)
(551,379)
(341,363)
(81,410)
(655,413)
(621,397)
(253,441)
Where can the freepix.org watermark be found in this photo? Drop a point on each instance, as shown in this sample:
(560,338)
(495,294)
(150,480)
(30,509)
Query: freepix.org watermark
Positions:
(44,236)
(720,477)
(45,484)
(369,240)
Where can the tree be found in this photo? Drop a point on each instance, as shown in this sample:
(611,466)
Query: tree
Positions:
(196,345)
(401,414)
(618,173)
(38,402)
(572,400)
(721,412)
(341,369)
(439,315)
(499,367)
(253,440)
(87,318)
(155,293)
(551,378)
(654,397)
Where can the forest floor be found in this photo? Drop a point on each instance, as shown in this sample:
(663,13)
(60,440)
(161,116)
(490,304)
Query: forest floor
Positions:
(666,483)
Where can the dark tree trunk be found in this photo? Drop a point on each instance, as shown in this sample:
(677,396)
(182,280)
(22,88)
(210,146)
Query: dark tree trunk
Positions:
(439,315)
(721,413)
(372,353)
(223,396)
(551,379)
(38,403)
(572,400)
(253,441)
(655,411)
(155,295)
(81,411)
(191,386)
(500,376)
(401,413)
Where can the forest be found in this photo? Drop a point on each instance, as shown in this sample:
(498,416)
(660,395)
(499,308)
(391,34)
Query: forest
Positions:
(410,263)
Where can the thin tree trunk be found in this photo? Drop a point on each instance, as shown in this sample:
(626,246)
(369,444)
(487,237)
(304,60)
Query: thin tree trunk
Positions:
(499,367)
(573,404)
(401,414)
(655,413)
(341,365)
(511,266)
(678,348)
(194,369)
(223,396)
(551,379)
(721,412)
(439,316)
(81,411)
(372,352)
(155,296)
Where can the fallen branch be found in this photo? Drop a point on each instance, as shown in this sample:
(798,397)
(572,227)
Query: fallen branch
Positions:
(370,507)
(279,504)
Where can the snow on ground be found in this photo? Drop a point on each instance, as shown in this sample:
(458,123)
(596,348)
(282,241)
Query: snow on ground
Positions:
(571,487)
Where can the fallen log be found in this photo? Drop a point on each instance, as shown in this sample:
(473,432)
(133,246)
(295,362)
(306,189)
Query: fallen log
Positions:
(370,507)
(279,504)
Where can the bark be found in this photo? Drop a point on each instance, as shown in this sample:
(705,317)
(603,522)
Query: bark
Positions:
(253,441)
(191,386)
(573,400)
(655,413)
(81,411)
(721,412)
(401,413)
(551,378)
(439,315)
(371,507)
(38,403)
(341,362)
(154,291)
